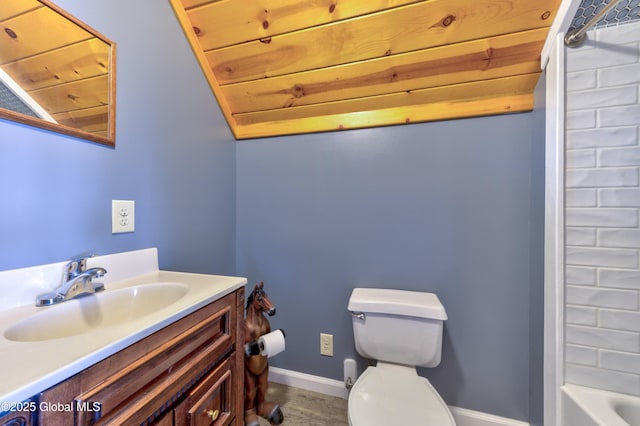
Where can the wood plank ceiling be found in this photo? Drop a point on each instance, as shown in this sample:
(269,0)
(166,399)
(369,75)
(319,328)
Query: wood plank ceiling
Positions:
(282,67)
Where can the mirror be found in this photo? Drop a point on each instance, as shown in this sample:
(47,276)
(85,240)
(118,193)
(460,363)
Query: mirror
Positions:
(56,72)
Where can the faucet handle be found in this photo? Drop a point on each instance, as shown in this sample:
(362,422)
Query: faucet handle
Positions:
(76,265)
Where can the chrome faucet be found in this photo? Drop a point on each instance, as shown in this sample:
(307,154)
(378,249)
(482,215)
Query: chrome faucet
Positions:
(76,280)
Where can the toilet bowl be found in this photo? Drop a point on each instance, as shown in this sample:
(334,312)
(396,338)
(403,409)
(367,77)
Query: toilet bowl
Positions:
(390,394)
(401,330)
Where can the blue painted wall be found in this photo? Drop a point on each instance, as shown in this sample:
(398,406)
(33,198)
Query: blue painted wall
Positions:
(442,207)
(451,207)
(174,156)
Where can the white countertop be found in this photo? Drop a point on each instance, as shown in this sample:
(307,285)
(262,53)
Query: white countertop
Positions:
(27,368)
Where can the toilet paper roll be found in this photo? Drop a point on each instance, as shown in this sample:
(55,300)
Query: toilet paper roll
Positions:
(272,343)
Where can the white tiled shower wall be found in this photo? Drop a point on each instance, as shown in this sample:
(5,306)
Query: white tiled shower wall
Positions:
(602,199)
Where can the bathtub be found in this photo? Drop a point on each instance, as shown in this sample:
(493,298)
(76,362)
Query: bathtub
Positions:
(592,407)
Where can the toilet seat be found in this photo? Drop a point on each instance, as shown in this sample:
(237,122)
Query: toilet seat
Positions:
(390,394)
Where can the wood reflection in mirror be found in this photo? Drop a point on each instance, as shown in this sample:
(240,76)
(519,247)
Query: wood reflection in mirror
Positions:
(61,71)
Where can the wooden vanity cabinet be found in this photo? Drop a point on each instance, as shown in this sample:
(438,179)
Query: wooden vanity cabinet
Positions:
(188,373)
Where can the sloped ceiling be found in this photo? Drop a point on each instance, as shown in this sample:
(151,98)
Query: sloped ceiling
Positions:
(282,67)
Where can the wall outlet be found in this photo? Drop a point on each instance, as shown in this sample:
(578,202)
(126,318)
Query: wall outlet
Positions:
(123,216)
(326,344)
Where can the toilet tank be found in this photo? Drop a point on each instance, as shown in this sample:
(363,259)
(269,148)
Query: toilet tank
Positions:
(398,326)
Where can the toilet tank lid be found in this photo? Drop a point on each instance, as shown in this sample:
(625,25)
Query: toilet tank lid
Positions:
(397,302)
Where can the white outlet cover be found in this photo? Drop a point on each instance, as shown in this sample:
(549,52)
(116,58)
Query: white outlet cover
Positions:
(326,344)
(123,216)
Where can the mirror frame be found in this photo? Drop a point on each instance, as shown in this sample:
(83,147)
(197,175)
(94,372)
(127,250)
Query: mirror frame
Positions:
(68,130)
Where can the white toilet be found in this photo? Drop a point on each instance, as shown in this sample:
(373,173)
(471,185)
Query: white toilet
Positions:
(401,330)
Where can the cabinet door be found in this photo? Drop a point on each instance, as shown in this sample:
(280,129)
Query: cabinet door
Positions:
(22,414)
(210,402)
(16,419)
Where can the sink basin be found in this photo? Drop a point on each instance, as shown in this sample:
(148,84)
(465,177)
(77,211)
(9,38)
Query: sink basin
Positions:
(96,311)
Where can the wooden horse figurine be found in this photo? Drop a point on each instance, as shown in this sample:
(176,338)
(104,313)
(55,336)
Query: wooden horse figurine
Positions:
(256,372)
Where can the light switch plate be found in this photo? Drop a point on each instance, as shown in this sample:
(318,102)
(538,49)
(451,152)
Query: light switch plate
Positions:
(123,216)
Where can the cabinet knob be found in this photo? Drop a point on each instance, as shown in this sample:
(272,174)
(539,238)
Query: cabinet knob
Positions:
(213,414)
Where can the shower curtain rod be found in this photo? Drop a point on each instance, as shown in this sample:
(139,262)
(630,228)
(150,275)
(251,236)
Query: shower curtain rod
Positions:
(576,37)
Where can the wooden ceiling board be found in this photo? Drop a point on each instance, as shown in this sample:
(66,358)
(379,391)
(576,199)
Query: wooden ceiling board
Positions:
(471,61)
(35,32)
(64,65)
(285,66)
(12,9)
(223,23)
(444,110)
(459,93)
(94,120)
(85,93)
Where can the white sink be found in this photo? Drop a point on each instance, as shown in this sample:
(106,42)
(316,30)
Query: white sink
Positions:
(95,311)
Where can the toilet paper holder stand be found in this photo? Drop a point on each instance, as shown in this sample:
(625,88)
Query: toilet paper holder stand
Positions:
(259,337)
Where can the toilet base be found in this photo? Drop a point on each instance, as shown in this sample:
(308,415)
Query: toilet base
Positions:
(390,394)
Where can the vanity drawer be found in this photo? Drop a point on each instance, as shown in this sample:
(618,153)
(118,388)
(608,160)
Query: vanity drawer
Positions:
(210,403)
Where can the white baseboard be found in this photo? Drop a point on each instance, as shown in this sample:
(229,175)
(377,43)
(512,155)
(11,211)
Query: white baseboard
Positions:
(336,388)
(309,382)
(466,417)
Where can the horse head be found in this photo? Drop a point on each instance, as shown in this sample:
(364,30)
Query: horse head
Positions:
(259,300)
